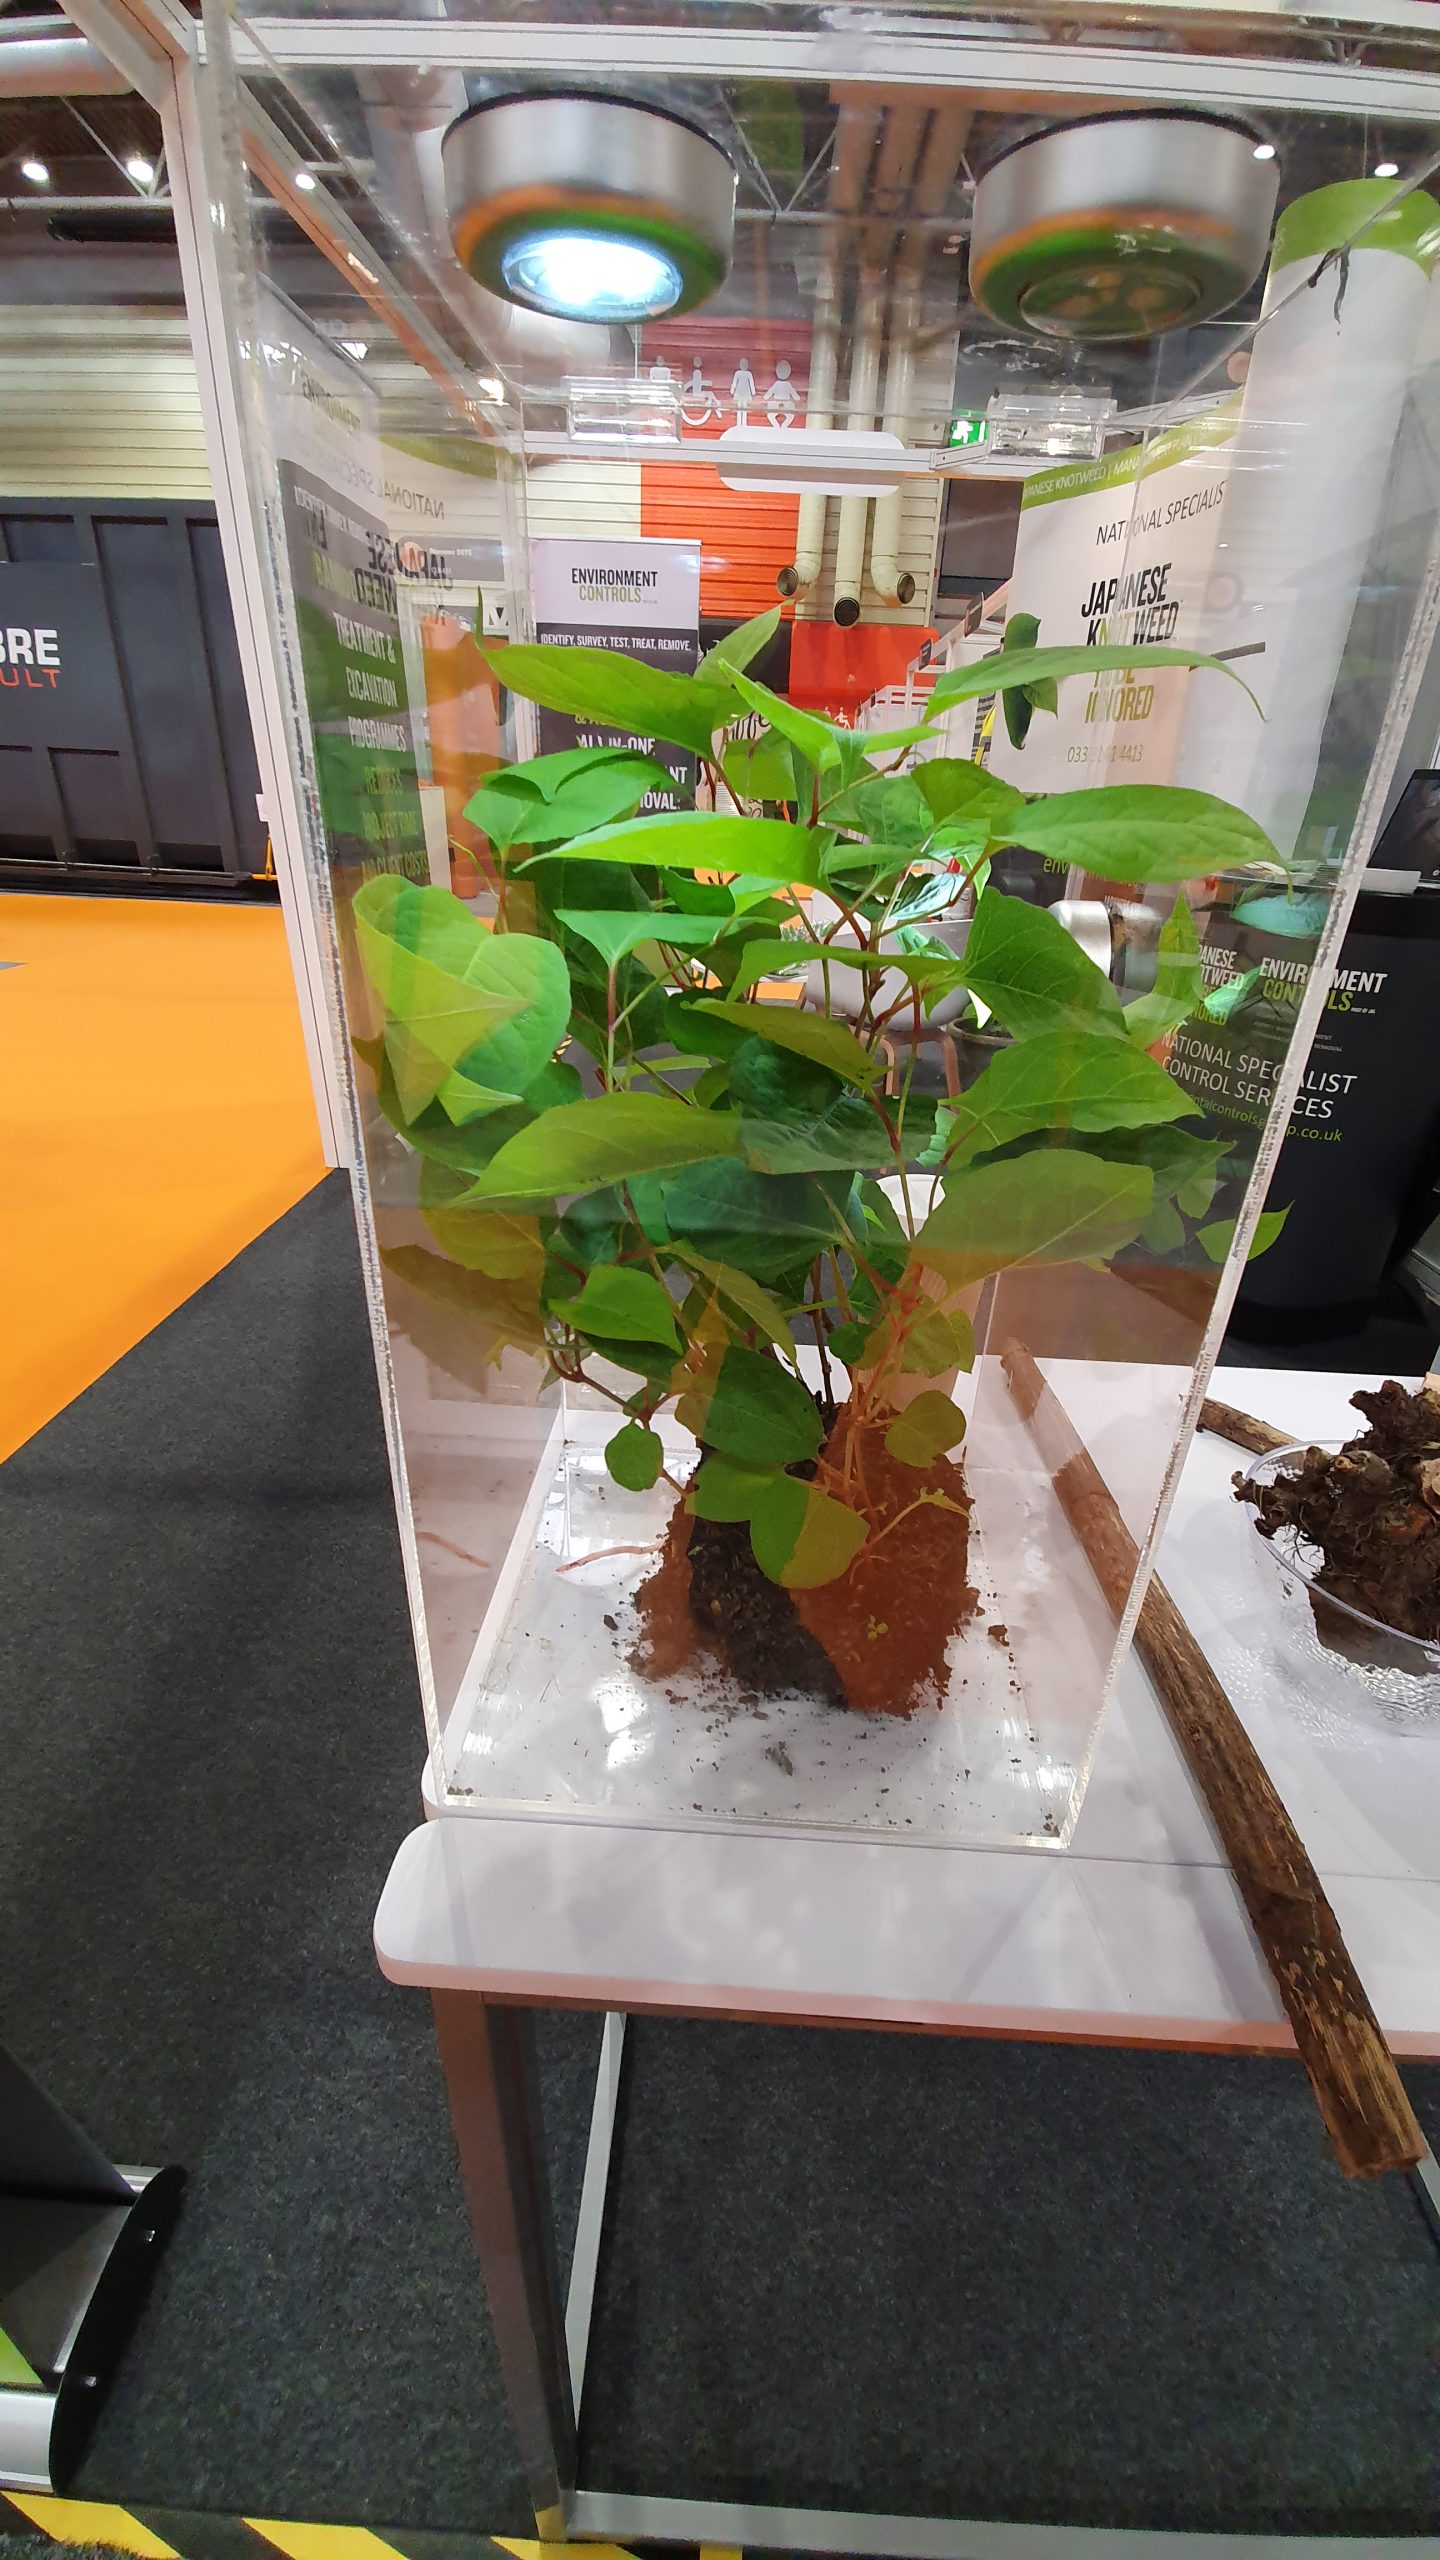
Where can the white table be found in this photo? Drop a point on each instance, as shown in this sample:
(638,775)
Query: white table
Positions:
(1136,1934)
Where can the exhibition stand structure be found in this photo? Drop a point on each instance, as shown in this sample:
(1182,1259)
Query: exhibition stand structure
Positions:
(700,1287)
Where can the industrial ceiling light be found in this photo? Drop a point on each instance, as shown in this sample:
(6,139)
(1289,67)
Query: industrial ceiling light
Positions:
(1122,226)
(141,170)
(36,172)
(305,182)
(589,207)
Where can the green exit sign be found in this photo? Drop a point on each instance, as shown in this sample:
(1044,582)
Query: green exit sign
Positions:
(969,430)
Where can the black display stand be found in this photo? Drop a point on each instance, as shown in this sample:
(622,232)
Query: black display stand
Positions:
(78,2239)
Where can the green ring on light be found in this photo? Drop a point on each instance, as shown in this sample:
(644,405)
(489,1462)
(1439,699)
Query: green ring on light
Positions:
(700,269)
(1213,280)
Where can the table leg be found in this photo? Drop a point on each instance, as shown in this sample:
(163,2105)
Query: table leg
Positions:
(488,2054)
(1425,2179)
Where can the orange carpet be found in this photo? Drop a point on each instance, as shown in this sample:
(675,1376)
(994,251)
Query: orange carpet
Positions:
(155,1116)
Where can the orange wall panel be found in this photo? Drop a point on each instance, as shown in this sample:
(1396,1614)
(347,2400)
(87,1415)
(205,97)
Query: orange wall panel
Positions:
(835,671)
(745,537)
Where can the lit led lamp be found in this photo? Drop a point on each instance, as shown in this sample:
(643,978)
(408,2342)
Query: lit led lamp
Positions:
(1122,226)
(588,207)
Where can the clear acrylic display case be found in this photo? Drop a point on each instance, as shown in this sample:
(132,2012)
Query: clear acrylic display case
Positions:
(437,478)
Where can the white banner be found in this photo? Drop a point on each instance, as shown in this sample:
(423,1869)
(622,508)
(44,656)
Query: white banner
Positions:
(1109,552)
(639,597)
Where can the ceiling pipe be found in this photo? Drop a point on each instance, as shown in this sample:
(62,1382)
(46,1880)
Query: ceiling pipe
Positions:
(45,58)
(854,141)
(938,170)
(894,168)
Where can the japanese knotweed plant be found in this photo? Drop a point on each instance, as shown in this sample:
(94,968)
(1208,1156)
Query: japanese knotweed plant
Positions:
(637,1165)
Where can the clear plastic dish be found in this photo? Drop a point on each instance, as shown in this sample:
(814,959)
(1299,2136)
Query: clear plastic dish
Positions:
(1399,1673)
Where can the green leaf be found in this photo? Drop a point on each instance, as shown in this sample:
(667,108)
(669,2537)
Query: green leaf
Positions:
(602,685)
(1005,668)
(504,1245)
(945,1339)
(1068,1079)
(803,1538)
(881,742)
(514,807)
(1224,1001)
(555,1083)
(887,808)
(620,1305)
(848,1341)
(1056,1205)
(418,948)
(1183,1166)
(740,1291)
(769,1226)
(930,970)
(739,648)
(1164,1229)
(776,1084)
(1033,974)
(463,1320)
(1143,831)
(635,1456)
(759,1411)
(926,1428)
(809,1035)
(473,1015)
(597,796)
(1218,1237)
(584,1146)
(505,805)
(532,974)
(848,1136)
(1178,980)
(727,1488)
(761,768)
(953,788)
(814,738)
(613,933)
(547,773)
(697,840)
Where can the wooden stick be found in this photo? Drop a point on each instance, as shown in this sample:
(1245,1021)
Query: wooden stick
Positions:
(1352,2071)
(1245,1429)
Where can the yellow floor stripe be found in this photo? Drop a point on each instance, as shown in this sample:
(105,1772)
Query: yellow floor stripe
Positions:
(720,2551)
(323,2541)
(91,2520)
(546,2550)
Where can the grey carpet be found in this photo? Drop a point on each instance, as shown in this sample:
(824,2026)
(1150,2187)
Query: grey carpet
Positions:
(842,2269)
(211,1739)
(902,2273)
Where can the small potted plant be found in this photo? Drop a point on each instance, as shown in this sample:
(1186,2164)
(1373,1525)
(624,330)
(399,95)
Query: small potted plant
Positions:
(741,1213)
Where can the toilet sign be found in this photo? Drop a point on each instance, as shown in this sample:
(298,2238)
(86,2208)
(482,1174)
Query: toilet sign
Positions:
(730,373)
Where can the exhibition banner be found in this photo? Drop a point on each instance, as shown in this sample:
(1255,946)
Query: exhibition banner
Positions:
(639,597)
(342,567)
(1109,552)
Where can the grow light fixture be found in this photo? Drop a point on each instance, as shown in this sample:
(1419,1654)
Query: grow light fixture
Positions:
(589,207)
(1122,226)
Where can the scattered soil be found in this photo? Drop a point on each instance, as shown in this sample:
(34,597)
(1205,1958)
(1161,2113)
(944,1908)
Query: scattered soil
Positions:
(1373,1512)
(875,1640)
